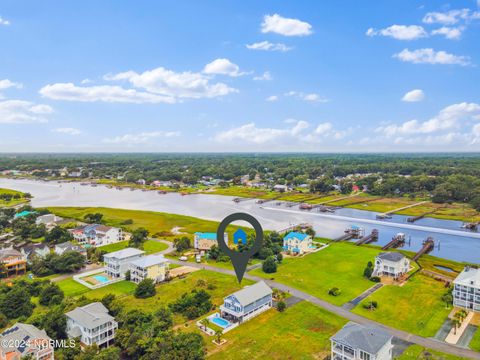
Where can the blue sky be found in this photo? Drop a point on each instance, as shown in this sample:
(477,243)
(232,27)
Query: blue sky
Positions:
(135,76)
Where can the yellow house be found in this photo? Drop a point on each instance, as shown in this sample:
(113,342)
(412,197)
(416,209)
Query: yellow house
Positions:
(205,241)
(153,267)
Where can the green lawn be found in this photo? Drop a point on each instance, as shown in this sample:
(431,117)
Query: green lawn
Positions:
(301,332)
(415,307)
(150,246)
(416,352)
(339,265)
(72,288)
(169,292)
(12,202)
(475,343)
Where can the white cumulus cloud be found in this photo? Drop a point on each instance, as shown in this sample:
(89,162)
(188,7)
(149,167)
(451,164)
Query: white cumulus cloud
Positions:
(5,84)
(4,22)
(223,67)
(448,118)
(451,17)
(23,112)
(106,93)
(141,138)
(67,131)
(430,56)
(414,96)
(264,77)
(400,32)
(272,98)
(285,26)
(451,33)
(309,97)
(268,46)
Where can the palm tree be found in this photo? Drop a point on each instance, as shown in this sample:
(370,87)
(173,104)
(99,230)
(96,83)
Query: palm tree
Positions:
(456,324)
(205,322)
(218,336)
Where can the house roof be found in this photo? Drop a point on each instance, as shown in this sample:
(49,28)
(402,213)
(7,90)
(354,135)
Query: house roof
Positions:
(91,315)
(21,333)
(391,256)
(367,338)
(469,277)
(5,253)
(207,236)
(251,293)
(124,253)
(296,235)
(64,245)
(32,247)
(149,260)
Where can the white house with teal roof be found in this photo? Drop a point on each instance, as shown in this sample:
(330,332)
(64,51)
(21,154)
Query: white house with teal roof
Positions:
(204,241)
(297,243)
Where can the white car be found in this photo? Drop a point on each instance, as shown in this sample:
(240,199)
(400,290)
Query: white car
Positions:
(183,258)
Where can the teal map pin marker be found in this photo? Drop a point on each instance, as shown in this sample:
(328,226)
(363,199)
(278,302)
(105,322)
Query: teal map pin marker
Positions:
(240,259)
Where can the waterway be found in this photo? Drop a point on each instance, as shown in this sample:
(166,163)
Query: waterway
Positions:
(452,242)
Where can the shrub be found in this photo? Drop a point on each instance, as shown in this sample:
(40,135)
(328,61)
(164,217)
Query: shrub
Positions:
(375,279)
(281,306)
(269,265)
(145,289)
(370,305)
(335,291)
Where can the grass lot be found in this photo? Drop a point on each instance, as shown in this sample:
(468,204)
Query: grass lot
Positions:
(301,332)
(12,202)
(415,307)
(169,292)
(416,352)
(72,288)
(339,265)
(150,246)
(475,342)
(157,223)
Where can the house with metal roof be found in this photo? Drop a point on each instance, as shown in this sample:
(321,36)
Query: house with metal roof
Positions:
(466,289)
(38,250)
(14,262)
(297,243)
(22,340)
(203,241)
(247,303)
(49,220)
(355,341)
(117,263)
(393,264)
(153,267)
(69,246)
(92,324)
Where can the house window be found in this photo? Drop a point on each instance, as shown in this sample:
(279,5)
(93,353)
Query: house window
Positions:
(364,355)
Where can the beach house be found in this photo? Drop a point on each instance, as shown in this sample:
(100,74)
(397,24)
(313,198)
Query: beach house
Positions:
(117,263)
(466,289)
(98,235)
(361,342)
(14,262)
(204,241)
(393,264)
(92,324)
(297,243)
(153,267)
(247,303)
(37,250)
(25,340)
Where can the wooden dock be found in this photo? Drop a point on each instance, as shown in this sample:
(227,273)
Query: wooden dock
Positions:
(397,241)
(388,214)
(427,247)
(353,232)
(373,236)
(302,226)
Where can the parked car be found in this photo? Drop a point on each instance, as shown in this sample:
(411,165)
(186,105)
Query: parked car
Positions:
(183,258)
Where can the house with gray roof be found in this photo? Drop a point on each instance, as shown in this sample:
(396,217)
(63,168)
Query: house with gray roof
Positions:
(153,267)
(117,263)
(393,264)
(466,290)
(92,324)
(355,341)
(23,340)
(69,246)
(31,250)
(247,303)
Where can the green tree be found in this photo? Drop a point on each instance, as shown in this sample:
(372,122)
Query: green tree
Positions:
(16,302)
(51,294)
(93,218)
(139,236)
(269,265)
(281,306)
(182,244)
(145,289)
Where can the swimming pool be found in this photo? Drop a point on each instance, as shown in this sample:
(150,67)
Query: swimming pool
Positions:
(101,278)
(217,320)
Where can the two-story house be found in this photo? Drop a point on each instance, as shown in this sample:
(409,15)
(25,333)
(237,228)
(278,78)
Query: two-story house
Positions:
(92,324)
(247,303)
(49,220)
(297,243)
(22,340)
(153,267)
(204,241)
(117,263)
(69,246)
(38,250)
(392,264)
(15,263)
(466,290)
(98,235)
(359,342)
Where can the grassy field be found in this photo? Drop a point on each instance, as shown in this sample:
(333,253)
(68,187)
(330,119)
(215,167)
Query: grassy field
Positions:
(150,246)
(301,332)
(339,265)
(475,342)
(157,223)
(168,292)
(415,307)
(416,352)
(12,202)
(72,288)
